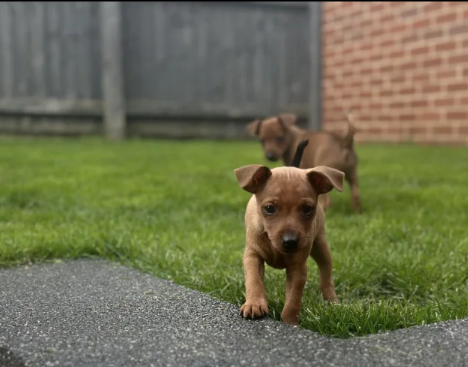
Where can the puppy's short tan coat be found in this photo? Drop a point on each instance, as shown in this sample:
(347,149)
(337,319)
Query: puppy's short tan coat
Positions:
(285,224)
(280,136)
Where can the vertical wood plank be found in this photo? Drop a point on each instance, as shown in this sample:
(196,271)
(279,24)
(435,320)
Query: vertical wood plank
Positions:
(112,73)
(38,49)
(7,53)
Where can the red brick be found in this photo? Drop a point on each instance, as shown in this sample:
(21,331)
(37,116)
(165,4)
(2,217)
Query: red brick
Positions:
(433,34)
(376,7)
(375,106)
(457,87)
(432,62)
(408,13)
(447,17)
(443,130)
(430,116)
(408,90)
(420,130)
(420,103)
(397,79)
(377,32)
(387,43)
(433,5)
(443,102)
(431,88)
(465,14)
(423,77)
(398,28)
(397,105)
(465,72)
(423,23)
(446,74)
(459,59)
(420,50)
(446,46)
(387,18)
(407,117)
(457,115)
(397,54)
(463,28)
(411,38)
(408,65)
(385,93)
(386,68)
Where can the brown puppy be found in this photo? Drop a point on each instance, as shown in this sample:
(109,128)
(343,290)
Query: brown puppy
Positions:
(280,136)
(284,224)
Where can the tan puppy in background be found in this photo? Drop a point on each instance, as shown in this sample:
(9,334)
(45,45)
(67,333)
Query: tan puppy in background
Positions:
(284,225)
(280,136)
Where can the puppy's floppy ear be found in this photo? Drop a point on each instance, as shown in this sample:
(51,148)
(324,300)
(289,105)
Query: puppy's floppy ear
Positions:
(324,179)
(287,119)
(252,177)
(253,128)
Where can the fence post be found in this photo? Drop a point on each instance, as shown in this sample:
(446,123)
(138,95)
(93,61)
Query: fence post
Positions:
(114,115)
(315,54)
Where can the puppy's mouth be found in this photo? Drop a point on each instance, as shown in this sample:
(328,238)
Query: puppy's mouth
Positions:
(272,158)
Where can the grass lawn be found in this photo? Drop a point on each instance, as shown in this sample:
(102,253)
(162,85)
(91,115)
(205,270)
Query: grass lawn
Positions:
(174,209)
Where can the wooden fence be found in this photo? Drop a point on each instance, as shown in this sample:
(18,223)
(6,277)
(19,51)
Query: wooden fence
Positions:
(166,69)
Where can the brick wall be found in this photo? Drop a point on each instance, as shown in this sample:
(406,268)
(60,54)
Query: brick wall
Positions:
(401,66)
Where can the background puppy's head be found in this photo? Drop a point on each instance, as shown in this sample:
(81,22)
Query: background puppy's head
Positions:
(287,198)
(274,134)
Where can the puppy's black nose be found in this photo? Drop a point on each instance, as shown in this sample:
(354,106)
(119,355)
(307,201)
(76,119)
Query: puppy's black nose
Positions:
(289,241)
(270,156)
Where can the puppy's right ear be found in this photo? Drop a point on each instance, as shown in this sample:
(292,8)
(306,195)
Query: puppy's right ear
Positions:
(253,128)
(252,177)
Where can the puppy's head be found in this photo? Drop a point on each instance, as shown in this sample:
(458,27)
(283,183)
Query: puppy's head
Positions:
(287,198)
(274,134)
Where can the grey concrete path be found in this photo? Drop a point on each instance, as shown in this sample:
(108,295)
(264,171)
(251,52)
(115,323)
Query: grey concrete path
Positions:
(96,313)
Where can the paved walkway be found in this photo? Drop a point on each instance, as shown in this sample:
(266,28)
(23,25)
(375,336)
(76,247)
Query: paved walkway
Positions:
(96,313)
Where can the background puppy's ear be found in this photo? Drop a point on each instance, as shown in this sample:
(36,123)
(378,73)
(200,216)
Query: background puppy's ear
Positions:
(252,177)
(324,179)
(287,119)
(253,128)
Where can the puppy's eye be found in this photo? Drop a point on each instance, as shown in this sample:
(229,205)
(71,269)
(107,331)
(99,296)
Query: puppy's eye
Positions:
(279,139)
(308,210)
(269,210)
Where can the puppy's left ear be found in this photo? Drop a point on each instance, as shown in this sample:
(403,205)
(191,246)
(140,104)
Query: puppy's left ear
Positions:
(287,119)
(252,177)
(324,179)
(253,128)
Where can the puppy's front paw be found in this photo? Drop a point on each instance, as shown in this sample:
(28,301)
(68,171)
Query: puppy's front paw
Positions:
(290,316)
(254,309)
(329,295)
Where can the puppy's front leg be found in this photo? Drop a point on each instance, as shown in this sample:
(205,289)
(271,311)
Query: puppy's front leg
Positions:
(255,303)
(296,276)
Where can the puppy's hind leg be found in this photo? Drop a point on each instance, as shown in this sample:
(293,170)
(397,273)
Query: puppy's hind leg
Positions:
(352,178)
(322,256)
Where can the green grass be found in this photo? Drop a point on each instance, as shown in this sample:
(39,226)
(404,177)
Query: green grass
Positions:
(174,209)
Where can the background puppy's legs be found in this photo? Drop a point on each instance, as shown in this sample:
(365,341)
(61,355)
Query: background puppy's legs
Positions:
(321,254)
(296,276)
(352,178)
(255,303)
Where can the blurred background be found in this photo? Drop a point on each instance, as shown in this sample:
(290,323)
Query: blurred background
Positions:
(203,70)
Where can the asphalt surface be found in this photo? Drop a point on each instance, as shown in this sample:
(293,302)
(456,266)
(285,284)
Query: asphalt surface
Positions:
(96,313)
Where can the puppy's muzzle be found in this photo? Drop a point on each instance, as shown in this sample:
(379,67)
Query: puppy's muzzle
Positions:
(271,156)
(289,241)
